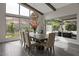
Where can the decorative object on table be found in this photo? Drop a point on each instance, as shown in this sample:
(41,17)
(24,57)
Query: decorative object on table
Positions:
(41,32)
(34,22)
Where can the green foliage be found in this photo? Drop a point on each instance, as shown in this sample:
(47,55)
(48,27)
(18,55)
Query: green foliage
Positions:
(11,27)
(55,24)
(71,27)
(24,27)
(12,35)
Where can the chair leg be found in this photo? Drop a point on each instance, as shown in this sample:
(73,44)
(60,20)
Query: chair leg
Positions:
(24,45)
(50,48)
(53,51)
(21,43)
(29,50)
(47,49)
(50,51)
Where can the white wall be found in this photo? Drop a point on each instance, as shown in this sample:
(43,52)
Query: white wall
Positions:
(67,10)
(2,21)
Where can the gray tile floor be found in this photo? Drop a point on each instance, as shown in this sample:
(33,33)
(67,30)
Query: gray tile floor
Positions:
(15,49)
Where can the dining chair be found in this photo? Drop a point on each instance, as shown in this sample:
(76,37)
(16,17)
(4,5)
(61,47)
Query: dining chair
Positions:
(29,43)
(50,42)
(22,39)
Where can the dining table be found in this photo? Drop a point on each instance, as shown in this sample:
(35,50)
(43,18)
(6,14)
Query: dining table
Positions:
(38,38)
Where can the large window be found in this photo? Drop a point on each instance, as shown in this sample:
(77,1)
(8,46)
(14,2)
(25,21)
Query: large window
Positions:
(14,25)
(67,25)
(62,26)
(70,25)
(18,23)
(53,24)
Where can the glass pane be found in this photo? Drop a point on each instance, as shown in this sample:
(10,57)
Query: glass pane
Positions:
(24,11)
(70,25)
(52,25)
(12,8)
(12,28)
(24,24)
(31,12)
(48,29)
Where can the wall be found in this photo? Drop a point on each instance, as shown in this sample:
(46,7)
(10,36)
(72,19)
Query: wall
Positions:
(67,10)
(78,25)
(2,22)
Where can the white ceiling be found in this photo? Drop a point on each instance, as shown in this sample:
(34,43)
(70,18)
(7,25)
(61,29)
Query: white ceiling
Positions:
(41,7)
(45,9)
(59,5)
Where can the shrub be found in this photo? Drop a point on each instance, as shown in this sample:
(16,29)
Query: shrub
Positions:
(71,27)
(11,27)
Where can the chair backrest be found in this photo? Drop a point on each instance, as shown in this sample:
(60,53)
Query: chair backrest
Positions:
(50,40)
(27,39)
(22,36)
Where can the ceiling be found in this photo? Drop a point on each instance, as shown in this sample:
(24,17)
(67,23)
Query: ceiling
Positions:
(69,17)
(59,5)
(42,7)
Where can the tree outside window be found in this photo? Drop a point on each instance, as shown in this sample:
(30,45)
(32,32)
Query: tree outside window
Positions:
(70,26)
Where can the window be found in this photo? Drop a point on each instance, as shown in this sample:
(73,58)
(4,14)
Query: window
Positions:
(31,12)
(48,28)
(24,11)
(24,24)
(12,8)
(12,27)
(52,25)
(15,24)
(70,25)
(55,24)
